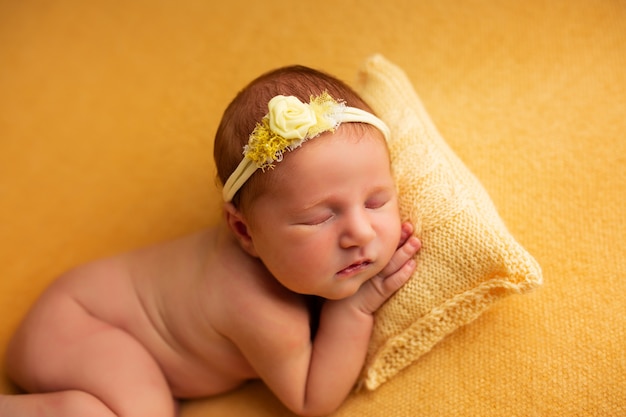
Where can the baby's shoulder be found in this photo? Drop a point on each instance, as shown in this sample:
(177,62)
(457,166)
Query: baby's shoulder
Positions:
(257,295)
(252,300)
(265,319)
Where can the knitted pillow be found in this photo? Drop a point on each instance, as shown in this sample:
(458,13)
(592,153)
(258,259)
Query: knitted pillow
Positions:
(468,258)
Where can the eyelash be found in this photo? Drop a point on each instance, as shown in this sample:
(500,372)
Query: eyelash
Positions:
(318,221)
(376,204)
(370,204)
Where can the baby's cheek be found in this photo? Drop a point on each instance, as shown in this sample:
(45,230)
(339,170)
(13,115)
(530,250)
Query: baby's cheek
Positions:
(391,239)
(390,245)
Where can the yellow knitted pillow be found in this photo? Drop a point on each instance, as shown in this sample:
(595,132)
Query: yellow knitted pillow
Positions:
(468,259)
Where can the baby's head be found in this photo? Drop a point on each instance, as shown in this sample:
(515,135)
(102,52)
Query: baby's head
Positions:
(250,106)
(325,219)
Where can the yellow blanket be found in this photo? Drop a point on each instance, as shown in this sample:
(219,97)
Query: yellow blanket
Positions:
(108,108)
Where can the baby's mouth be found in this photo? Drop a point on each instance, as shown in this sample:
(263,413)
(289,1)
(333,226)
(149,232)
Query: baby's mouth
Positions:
(354,268)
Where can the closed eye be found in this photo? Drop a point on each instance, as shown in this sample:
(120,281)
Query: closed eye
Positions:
(377,201)
(318,220)
(313,217)
(375,204)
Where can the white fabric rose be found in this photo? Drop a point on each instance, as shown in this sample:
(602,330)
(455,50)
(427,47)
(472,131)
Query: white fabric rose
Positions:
(290,118)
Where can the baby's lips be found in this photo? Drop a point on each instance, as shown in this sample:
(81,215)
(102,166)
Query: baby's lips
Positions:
(355,266)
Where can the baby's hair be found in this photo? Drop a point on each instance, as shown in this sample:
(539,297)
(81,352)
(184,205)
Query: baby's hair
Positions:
(250,105)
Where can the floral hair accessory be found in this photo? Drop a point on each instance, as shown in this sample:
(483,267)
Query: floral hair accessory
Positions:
(287,126)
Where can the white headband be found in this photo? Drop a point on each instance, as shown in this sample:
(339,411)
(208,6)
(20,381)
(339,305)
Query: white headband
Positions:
(287,126)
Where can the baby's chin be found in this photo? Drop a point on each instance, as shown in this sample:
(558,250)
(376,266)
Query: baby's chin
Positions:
(337,296)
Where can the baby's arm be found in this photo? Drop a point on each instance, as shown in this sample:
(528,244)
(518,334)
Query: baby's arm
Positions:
(315,378)
(345,328)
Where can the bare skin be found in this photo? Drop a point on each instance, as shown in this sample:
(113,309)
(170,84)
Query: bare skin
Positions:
(128,335)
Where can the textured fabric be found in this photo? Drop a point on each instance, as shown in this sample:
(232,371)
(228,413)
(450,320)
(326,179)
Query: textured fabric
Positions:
(468,258)
(107,116)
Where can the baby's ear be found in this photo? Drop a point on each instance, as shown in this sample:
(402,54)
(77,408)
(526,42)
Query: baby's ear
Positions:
(239,226)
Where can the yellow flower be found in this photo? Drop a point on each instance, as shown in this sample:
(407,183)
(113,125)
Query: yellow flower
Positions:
(290,118)
(288,124)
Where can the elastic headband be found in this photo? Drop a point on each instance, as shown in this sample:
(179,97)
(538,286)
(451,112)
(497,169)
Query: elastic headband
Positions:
(287,126)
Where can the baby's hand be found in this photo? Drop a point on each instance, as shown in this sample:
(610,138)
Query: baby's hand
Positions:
(393,276)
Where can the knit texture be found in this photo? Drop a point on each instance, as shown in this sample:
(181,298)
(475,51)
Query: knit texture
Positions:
(469,259)
(108,111)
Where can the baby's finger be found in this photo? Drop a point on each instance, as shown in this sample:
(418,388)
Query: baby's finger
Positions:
(395,281)
(406,230)
(378,290)
(401,256)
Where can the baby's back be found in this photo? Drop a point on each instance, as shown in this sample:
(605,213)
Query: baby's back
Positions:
(164,296)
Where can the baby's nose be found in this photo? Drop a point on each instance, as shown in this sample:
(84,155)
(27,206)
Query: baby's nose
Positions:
(358,230)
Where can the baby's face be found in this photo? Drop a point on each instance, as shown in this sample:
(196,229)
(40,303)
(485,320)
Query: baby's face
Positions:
(330,220)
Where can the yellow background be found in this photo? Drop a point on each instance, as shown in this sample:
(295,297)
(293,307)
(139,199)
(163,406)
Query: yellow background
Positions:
(107,116)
